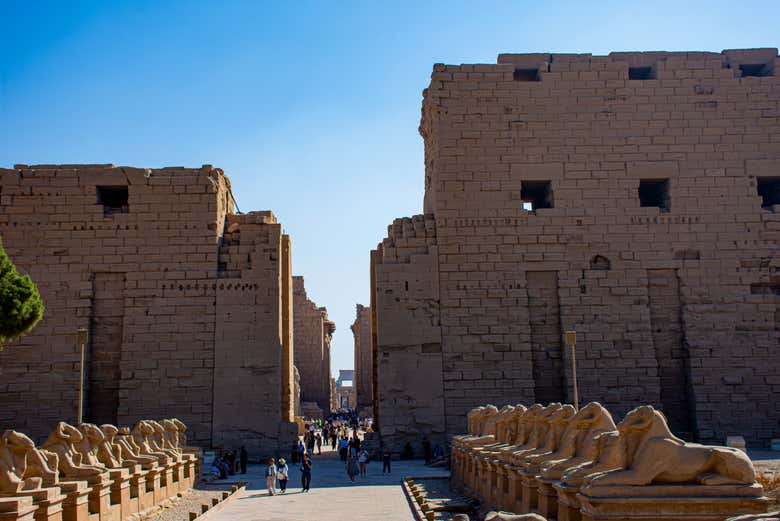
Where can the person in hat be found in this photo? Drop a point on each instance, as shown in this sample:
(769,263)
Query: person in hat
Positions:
(282,474)
(270,477)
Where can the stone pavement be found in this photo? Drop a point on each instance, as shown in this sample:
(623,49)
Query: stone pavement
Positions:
(332,497)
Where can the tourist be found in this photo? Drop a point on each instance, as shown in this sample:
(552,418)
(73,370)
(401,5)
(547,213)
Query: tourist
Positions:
(270,477)
(333,439)
(438,452)
(294,453)
(282,474)
(243,458)
(231,461)
(318,440)
(363,460)
(306,472)
(310,443)
(386,458)
(301,450)
(408,452)
(426,450)
(353,468)
(343,446)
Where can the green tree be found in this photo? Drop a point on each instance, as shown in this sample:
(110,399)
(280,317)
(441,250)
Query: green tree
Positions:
(21,306)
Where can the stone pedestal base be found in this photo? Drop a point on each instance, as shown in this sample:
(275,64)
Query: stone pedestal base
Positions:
(150,489)
(16,509)
(568,504)
(670,502)
(75,507)
(529,484)
(120,493)
(515,499)
(548,498)
(48,503)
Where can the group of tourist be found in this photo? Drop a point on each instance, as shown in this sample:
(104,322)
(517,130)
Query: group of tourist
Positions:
(228,463)
(281,473)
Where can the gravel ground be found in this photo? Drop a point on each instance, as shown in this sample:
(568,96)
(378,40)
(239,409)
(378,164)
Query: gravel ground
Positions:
(179,508)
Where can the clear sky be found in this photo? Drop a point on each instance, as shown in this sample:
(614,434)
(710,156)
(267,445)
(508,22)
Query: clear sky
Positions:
(311,108)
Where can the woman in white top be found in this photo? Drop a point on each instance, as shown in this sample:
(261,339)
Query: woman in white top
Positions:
(282,474)
(270,477)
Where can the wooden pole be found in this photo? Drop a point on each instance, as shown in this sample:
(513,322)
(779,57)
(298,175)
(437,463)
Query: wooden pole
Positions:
(571,341)
(82,339)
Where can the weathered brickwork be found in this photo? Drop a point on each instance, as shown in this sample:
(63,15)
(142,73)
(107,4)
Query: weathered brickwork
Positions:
(630,197)
(187,304)
(361,330)
(313,332)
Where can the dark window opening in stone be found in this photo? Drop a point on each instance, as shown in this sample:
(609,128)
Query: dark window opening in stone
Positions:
(755,69)
(654,192)
(536,194)
(113,198)
(769,190)
(526,75)
(640,73)
(599,262)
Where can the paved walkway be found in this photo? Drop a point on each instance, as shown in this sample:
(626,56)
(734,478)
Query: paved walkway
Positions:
(332,497)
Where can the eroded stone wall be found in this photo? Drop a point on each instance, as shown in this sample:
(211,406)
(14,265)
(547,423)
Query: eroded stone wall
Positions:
(629,197)
(312,347)
(361,330)
(181,298)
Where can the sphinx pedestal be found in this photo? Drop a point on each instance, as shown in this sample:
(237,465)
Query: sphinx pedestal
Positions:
(48,503)
(568,504)
(530,497)
(670,502)
(119,496)
(547,498)
(17,509)
(515,496)
(75,507)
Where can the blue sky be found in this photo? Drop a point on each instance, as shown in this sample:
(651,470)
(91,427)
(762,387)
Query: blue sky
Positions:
(311,108)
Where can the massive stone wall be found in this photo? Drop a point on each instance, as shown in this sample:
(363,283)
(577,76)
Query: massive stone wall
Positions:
(631,198)
(313,331)
(361,330)
(187,304)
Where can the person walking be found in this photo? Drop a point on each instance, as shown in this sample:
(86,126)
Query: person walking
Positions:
(362,461)
(270,477)
(282,474)
(306,472)
(352,466)
(243,459)
(426,450)
(301,450)
(318,440)
(386,458)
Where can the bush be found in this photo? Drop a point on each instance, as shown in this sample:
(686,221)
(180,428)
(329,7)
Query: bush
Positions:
(21,306)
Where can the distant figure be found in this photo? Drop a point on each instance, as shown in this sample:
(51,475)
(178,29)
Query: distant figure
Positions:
(343,447)
(407,453)
(301,450)
(438,452)
(386,459)
(333,439)
(294,453)
(231,460)
(243,459)
(353,468)
(282,474)
(306,472)
(426,450)
(363,460)
(270,477)
(318,440)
